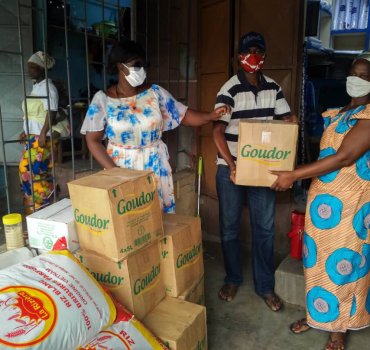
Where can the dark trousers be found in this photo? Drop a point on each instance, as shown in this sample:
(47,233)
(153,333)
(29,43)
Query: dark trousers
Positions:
(261,203)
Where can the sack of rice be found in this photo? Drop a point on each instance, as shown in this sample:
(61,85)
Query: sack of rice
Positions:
(51,302)
(126,333)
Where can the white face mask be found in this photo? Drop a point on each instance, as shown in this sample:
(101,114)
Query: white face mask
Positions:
(136,75)
(357,87)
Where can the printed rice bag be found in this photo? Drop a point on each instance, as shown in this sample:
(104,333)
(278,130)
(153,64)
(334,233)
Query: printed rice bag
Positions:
(51,302)
(127,333)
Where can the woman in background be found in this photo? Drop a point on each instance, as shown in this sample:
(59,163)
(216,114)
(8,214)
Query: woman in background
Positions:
(133,116)
(36,132)
(337,229)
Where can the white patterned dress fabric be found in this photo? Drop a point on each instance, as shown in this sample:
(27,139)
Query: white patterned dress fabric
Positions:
(134,127)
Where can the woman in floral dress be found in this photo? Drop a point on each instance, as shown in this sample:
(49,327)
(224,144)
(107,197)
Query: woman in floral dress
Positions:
(337,229)
(133,116)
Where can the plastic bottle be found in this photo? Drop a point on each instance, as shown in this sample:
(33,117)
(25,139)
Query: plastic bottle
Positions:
(335,23)
(364,14)
(342,14)
(13,231)
(348,14)
(355,14)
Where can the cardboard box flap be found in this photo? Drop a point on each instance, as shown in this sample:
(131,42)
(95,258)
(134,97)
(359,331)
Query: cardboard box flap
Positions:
(53,212)
(268,121)
(173,228)
(186,314)
(107,179)
(178,219)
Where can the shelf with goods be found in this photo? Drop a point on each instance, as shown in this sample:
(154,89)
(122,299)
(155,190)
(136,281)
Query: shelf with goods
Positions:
(350,32)
(322,16)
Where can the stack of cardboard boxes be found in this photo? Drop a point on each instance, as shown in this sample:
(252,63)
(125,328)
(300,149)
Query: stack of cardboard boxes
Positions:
(141,258)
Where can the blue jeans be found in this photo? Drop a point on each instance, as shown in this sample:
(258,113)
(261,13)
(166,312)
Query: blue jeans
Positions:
(261,203)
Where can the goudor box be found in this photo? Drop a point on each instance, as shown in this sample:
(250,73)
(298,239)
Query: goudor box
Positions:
(116,211)
(181,253)
(195,293)
(179,324)
(136,282)
(264,146)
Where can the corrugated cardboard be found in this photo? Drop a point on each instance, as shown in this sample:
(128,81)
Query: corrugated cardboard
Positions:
(135,282)
(182,255)
(195,293)
(264,146)
(117,211)
(47,225)
(179,324)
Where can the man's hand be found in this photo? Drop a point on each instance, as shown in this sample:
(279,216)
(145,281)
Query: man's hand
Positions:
(233,174)
(291,118)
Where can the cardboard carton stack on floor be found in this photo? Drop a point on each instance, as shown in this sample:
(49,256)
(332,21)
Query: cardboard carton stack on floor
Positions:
(119,224)
(178,321)
(182,257)
(123,244)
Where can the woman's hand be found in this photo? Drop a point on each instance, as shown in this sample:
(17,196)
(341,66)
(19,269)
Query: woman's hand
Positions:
(219,112)
(285,180)
(42,139)
(195,118)
(22,137)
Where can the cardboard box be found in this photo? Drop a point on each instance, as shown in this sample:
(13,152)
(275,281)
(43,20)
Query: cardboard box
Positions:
(195,293)
(47,225)
(182,254)
(264,146)
(179,324)
(136,282)
(116,211)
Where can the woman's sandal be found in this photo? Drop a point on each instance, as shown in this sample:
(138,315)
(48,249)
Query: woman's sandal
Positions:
(228,292)
(336,341)
(273,301)
(300,326)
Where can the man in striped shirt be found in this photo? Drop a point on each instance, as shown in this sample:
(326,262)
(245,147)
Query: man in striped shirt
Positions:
(250,95)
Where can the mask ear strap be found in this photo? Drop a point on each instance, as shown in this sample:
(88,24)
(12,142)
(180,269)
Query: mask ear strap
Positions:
(126,68)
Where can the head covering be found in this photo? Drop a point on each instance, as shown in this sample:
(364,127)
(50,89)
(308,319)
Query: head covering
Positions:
(251,39)
(43,60)
(364,55)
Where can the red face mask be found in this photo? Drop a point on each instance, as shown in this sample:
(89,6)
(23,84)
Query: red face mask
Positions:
(251,62)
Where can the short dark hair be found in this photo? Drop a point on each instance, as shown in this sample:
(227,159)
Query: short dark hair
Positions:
(124,52)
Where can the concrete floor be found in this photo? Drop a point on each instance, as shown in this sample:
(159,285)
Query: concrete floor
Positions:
(247,324)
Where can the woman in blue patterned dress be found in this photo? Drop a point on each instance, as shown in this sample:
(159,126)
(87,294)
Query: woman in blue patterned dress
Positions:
(336,252)
(133,115)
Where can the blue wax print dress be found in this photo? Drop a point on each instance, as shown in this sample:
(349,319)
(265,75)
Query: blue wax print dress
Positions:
(134,127)
(336,251)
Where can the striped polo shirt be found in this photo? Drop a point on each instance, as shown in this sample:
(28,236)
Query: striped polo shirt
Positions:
(247,101)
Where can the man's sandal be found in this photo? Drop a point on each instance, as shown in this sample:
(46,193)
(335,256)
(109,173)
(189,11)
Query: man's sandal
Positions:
(336,341)
(228,292)
(299,326)
(273,301)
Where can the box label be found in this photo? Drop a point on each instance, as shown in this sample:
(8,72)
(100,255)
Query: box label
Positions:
(141,284)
